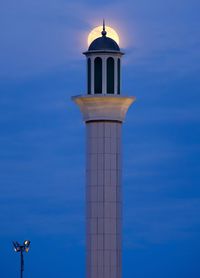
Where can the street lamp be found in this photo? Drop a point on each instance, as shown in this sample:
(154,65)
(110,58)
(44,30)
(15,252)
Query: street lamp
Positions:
(21,248)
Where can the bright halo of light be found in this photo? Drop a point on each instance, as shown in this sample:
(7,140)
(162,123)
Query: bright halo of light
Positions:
(96,33)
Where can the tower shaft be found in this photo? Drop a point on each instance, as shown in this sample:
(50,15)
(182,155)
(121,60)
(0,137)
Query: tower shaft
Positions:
(103,195)
(103,116)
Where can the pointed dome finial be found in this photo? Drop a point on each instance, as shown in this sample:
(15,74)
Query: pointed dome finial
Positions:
(104,29)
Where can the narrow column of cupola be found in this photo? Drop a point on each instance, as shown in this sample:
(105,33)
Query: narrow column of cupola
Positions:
(116,76)
(92,75)
(104,75)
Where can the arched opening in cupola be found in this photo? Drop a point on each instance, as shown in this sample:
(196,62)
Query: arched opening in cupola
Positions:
(110,75)
(98,75)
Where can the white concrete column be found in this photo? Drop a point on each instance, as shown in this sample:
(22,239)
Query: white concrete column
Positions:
(92,74)
(103,194)
(115,75)
(119,75)
(104,75)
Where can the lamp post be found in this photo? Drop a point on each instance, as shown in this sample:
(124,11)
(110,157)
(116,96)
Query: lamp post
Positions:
(21,248)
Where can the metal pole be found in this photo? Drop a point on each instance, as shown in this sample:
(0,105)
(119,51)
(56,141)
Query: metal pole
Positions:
(22,264)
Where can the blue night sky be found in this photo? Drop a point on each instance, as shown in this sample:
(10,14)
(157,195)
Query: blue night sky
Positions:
(42,136)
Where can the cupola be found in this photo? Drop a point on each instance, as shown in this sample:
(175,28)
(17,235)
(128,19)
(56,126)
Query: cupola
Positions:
(103,66)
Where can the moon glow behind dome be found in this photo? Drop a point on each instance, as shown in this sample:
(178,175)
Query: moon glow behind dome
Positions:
(96,33)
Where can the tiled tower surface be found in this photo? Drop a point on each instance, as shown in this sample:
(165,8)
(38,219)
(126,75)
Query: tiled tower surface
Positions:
(103,116)
(103,195)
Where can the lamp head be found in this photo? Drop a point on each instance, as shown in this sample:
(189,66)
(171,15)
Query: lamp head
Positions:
(27,242)
(16,246)
(27,245)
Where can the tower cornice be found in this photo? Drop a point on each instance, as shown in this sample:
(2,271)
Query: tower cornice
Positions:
(103,107)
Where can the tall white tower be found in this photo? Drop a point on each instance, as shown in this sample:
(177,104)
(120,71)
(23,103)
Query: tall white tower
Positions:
(103,110)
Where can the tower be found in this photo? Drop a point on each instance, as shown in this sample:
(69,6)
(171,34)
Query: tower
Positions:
(104,110)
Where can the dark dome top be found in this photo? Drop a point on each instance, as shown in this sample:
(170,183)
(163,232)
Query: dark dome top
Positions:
(104,43)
